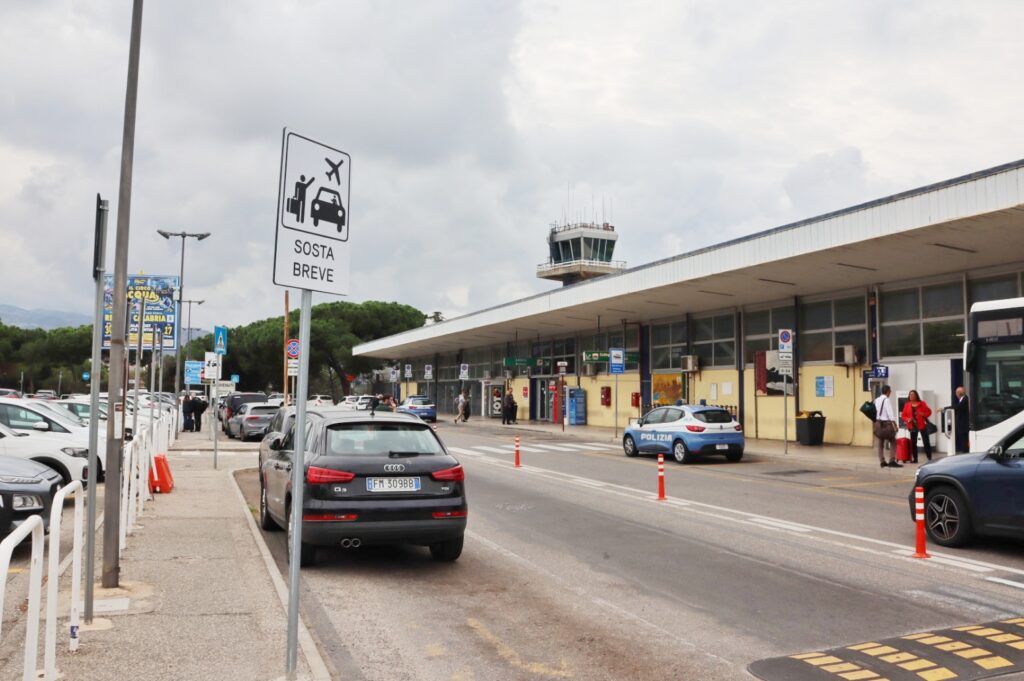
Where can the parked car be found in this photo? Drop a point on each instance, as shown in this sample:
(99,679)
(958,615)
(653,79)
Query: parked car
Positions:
(419,405)
(974,494)
(684,432)
(251,420)
(364,402)
(320,400)
(27,488)
(81,409)
(9,392)
(31,417)
(69,460)
(236,400)
(349,402)
(380,478)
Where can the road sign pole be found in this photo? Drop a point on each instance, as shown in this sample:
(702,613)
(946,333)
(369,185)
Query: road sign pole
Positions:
(785,414)
(298,476)
(213,420)
(287,380)
(615,432)
(138,367)
(96,376)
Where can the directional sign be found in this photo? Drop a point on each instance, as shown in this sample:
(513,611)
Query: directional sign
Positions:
(86,375)
(292,347)
(616,360)
(428,372)
(235,378)
(310,250)
(220,340)
(879,371)
(193,372)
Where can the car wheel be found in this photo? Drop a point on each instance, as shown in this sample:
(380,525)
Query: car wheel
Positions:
(266,522)
(946,517)
(307,552)
(447,551)
(733,457)
(629,446)
(680,453)
(65,477)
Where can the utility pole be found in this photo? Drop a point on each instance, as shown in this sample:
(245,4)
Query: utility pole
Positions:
(285,350)
(115,400)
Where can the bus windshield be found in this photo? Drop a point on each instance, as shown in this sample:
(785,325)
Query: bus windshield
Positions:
(998,383)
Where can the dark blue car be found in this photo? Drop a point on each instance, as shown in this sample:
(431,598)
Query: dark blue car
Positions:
(974,494)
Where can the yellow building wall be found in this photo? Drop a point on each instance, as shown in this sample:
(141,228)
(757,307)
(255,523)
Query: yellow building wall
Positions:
(598,415)
(844,423)
(716,386)
(522,403)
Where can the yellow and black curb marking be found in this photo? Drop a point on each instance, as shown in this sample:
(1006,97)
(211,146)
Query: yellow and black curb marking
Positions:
(975,651)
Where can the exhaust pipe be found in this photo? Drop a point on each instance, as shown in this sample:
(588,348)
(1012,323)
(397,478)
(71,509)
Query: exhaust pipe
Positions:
(350,543)
(356,542)
(346,543)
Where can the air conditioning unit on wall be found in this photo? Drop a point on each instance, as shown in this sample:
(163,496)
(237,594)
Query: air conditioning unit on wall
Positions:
(844,355)
(689,363)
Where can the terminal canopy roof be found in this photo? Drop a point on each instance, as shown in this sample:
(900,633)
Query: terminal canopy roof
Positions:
(966,223)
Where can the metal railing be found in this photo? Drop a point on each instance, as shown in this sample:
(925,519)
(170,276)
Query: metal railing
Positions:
(52,577)
(33,525)
(578,262)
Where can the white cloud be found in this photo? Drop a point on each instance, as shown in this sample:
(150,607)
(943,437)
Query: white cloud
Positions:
(467,120)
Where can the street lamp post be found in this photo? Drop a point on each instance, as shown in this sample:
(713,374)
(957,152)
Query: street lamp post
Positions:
(198,236)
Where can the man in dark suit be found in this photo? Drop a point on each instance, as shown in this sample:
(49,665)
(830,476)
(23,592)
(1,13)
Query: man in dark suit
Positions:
(962,409)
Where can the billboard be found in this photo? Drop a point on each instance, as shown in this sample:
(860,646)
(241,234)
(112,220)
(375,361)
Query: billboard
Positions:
(161,309)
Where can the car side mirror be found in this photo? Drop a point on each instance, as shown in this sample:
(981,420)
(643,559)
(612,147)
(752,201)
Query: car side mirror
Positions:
(996,452)
(640,423)
(42,426)
(275,442)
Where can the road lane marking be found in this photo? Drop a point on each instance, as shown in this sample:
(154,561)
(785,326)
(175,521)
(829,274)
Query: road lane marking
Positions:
(553,448)
(512,657)
(1007,582)
(460,450)
(604,445)
(522,448)
(585,448)
(494,450)
(722,513)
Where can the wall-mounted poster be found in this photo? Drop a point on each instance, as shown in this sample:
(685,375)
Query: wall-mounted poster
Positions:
(666,388)
(767,379)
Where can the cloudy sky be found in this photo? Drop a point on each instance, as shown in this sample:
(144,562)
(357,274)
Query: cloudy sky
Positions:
(474,124)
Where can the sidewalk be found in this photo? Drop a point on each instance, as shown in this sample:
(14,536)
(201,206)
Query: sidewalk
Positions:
(828,455)
(197,600)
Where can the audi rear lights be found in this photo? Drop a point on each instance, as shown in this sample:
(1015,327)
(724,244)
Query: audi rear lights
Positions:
(318,476)
(455,474)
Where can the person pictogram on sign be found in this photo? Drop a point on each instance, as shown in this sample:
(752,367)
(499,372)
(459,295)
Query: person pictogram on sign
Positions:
(296,204)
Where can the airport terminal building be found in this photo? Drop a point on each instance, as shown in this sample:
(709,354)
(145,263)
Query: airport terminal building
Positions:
(881,288)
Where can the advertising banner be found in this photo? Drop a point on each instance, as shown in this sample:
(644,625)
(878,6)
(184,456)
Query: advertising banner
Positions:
(161,309)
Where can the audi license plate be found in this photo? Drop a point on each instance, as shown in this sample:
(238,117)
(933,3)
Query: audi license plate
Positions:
(721,446)
(392,484)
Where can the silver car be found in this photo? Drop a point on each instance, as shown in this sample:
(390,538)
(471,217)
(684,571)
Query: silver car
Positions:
(251,420)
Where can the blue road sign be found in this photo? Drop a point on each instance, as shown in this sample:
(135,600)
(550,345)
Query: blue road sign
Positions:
(879,371)
(616,361)
(193,372)
(220,340)
(86,375)
(235,378)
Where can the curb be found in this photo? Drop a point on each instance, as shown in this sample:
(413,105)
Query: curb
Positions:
(317,667)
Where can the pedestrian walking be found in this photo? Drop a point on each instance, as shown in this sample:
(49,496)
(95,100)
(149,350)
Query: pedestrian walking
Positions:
(460,407)
(465,407)
(187,408)
(962,412)
(915,415)
(198,408)
(507,406)
(884,428)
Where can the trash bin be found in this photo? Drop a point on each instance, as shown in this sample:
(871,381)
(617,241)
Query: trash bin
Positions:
(810,428)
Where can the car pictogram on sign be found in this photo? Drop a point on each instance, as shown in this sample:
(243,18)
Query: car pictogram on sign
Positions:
(327,207)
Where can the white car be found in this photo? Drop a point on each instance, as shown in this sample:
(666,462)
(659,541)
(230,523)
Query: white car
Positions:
(70,461)
(349,402)
(80,408)
(31,417)
(364,402)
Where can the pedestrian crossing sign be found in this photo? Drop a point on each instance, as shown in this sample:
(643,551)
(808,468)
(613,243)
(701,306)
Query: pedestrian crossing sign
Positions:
(220,340)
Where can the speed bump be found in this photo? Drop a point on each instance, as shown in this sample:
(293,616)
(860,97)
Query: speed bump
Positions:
(974,651)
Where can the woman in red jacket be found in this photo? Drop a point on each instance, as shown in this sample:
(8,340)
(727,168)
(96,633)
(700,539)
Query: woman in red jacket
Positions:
(915,416)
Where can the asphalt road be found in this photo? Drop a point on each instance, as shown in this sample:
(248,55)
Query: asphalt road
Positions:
(572,569)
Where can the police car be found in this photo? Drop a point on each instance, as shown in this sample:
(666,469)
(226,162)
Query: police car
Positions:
(684,432)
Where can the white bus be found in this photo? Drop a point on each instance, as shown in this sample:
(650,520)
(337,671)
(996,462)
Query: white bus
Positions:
(994,362)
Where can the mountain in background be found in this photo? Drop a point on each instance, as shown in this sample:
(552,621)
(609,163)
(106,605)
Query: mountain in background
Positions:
(41,319)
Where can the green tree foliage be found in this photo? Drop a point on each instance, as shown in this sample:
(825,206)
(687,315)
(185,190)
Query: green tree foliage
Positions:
(47,358)
(256,350)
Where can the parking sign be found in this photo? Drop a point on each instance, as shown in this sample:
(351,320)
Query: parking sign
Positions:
(616,360)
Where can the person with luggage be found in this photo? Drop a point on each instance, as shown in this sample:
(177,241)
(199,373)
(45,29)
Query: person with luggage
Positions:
(884,428)
(460,407)
(915,415)
(198,408)
(187,409)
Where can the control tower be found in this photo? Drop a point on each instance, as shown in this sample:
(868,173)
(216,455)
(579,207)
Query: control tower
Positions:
(580,251)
